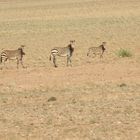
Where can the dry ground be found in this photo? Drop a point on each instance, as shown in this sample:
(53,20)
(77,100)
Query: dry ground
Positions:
(95,99)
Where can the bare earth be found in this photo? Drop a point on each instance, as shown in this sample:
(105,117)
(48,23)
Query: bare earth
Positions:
(95,99)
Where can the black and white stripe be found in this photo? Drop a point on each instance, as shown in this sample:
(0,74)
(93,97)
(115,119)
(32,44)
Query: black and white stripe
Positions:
(63,52)
(93,51)
(54,51)
(13,55)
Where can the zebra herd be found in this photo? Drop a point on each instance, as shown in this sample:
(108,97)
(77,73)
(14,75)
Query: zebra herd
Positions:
(58,51)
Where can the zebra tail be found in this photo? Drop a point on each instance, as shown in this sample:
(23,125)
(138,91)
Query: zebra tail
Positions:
(1,56)
(50,57)
(0,59)
(88,53)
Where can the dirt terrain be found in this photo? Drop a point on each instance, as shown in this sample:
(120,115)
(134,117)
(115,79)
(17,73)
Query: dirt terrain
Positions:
(95,99)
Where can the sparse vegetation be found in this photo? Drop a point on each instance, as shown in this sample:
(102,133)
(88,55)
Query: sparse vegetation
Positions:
(124,53)
(122,85)
(96,99)
(52,99)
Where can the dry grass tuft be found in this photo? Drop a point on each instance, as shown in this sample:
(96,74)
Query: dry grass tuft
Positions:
(124,53)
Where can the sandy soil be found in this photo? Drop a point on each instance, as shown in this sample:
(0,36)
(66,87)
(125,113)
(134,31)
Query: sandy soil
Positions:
(95,99)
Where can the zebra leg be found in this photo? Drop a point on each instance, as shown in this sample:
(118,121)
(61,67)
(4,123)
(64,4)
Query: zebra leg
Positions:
(94,55)
(68,61)
(21,62)
(101,56)
(4,62)
(17,63)
(54,61)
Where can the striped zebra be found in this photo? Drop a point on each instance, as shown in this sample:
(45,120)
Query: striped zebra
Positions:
(63,52)
(97,50)
(13,55)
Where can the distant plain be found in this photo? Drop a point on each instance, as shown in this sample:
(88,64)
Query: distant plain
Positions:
(96,99)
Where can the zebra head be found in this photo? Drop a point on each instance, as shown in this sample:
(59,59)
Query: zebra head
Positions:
(72,41)
(21,49)
(71,46)
(103,46)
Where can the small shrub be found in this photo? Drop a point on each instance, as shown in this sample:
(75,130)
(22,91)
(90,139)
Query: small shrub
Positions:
(124,53)
(123,85)
(52,99)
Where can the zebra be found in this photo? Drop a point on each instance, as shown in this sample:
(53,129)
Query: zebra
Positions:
(63,52)
(13,55)
(97,50)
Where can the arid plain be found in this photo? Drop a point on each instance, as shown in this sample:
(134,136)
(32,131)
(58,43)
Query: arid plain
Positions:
(95,99)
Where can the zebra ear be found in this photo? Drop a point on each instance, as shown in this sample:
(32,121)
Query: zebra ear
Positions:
(72,41)
(104,43)
(22,46)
